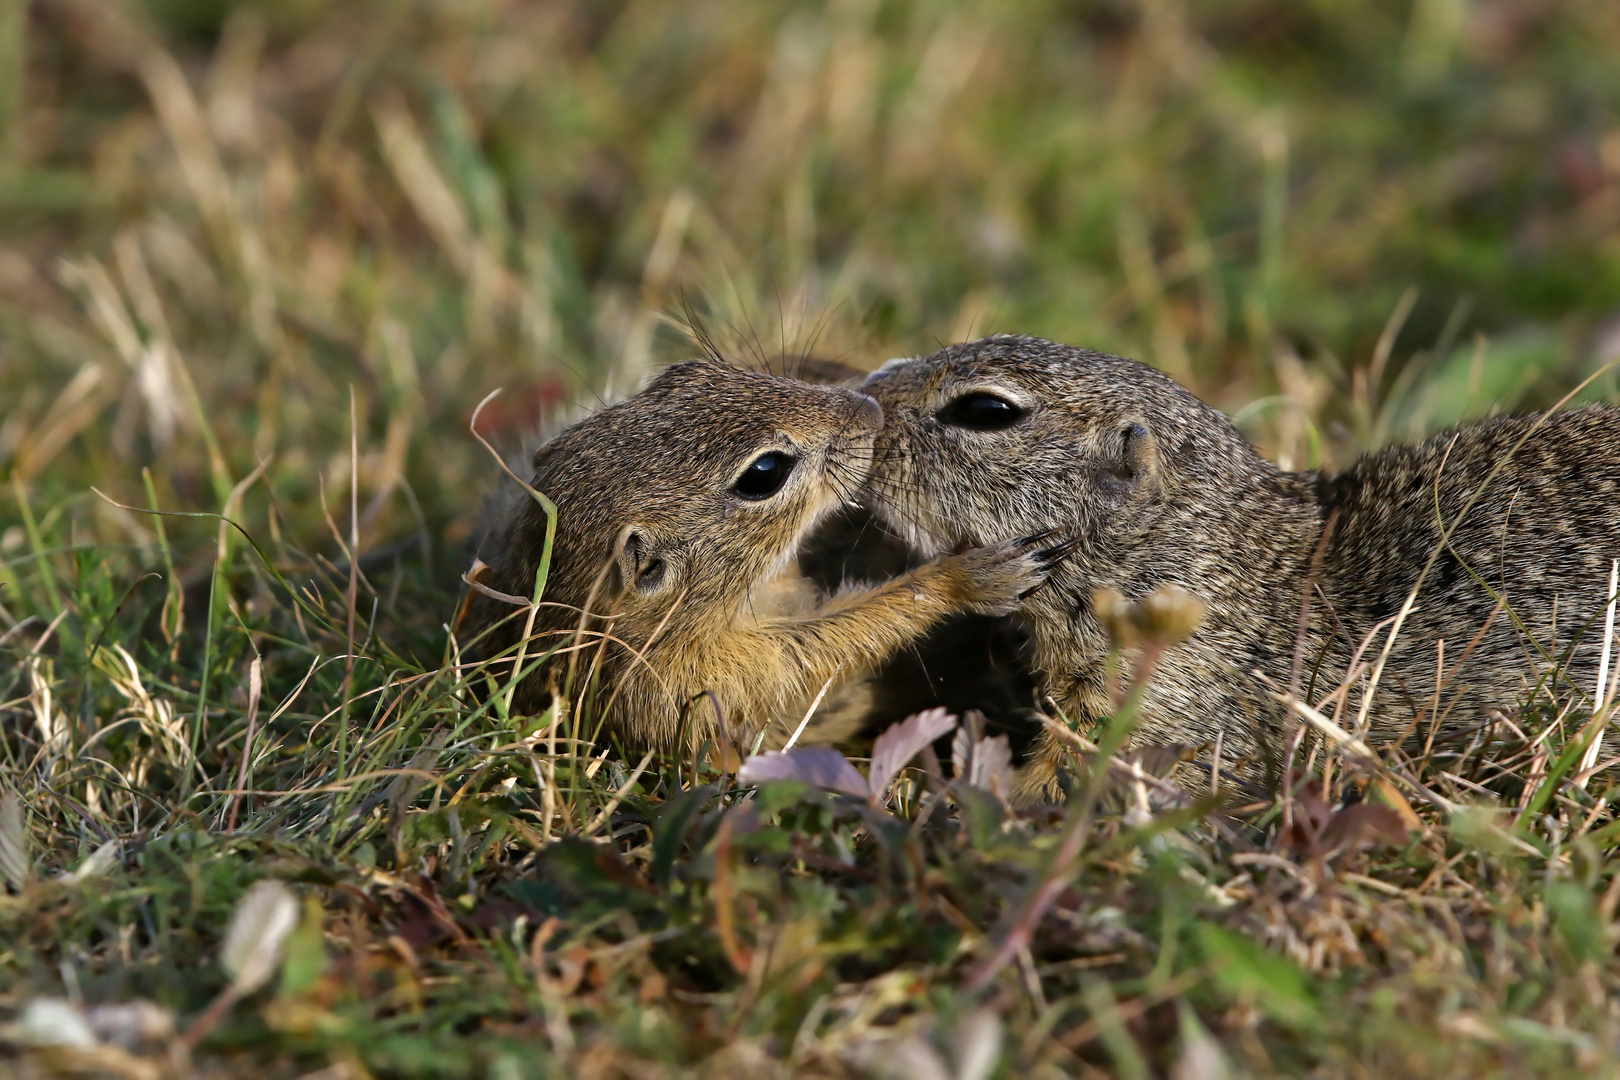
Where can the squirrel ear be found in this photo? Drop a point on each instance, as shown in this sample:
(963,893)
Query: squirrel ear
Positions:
(1137,460)
(642,568)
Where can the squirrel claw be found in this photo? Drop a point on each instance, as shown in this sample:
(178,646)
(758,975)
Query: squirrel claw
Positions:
(1003,574)
(1047,561)
(1057,552)
(1033,538)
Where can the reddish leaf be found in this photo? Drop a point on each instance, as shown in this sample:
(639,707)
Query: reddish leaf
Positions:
(1321,832)
(821,766)
(992,766)
(902,742)
(962,753)
(1363,824)
(1311,815)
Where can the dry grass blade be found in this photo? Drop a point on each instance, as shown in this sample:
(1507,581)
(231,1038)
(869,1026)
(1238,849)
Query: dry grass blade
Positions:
(16,864)
(1602,691)
(618,796)
(808,713)
(255,688)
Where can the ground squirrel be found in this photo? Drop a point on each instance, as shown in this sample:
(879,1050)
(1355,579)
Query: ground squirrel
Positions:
(1009,435)
(680,513)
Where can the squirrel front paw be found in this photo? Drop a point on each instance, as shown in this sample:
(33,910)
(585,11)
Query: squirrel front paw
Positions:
(998,576)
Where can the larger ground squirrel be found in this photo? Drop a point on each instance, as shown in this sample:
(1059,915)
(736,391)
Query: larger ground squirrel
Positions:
(680,512)
(1009,435)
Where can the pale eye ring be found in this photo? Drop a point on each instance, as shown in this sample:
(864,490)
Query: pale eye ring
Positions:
(764,476)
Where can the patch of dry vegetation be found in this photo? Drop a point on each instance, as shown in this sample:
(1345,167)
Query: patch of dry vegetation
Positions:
(259,262)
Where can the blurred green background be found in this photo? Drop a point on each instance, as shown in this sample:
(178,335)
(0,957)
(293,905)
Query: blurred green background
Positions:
(1345,222)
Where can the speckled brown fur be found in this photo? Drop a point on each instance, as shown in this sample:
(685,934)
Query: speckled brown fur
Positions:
(694,584)
(1162,489)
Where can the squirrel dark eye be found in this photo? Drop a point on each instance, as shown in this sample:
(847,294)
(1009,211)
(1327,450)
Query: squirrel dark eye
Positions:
(764,476)
(981,412)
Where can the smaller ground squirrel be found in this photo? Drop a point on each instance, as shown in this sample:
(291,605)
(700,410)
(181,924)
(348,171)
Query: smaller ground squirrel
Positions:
(680,514)
(1010,435)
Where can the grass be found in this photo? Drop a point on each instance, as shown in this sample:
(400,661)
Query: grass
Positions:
(259,263)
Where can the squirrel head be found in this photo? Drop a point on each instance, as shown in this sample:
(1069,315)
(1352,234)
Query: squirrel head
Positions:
(672,504)
(1008,436)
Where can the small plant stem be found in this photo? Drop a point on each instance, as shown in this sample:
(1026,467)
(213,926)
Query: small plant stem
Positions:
(35,541)
(222,556)
(207,663)
(543,571)
(1078,827)
(255,686)
(207,1022)
(725,920)
(352,597)
(176,599)
(548,796)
